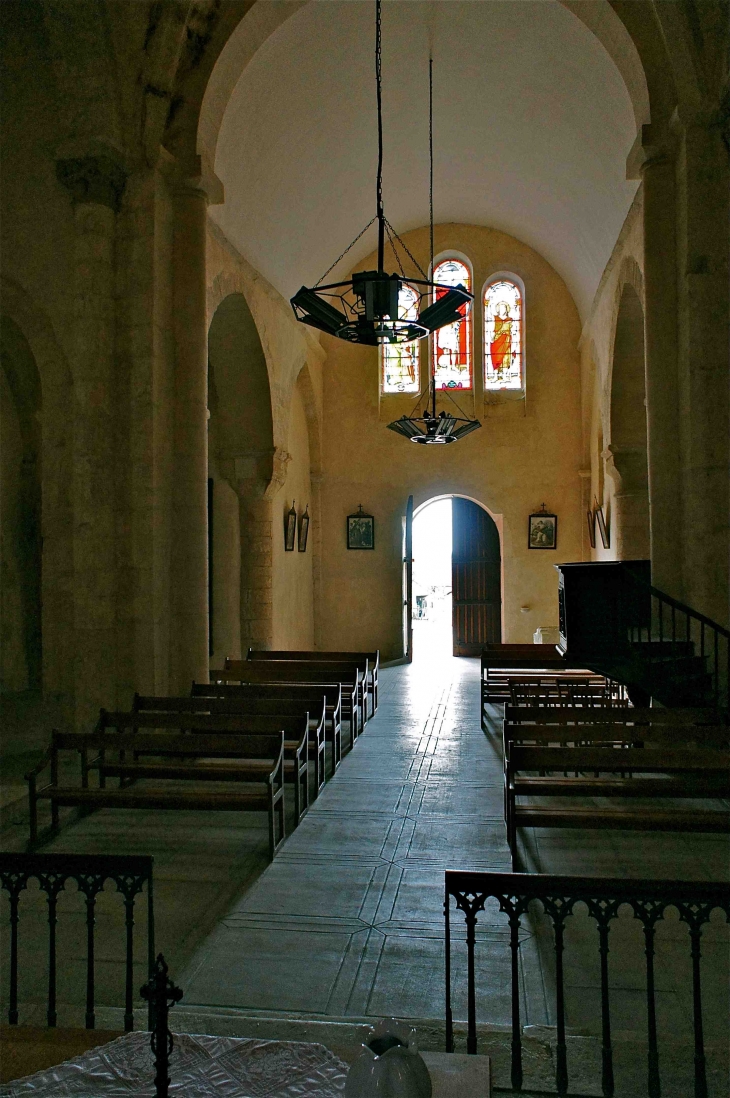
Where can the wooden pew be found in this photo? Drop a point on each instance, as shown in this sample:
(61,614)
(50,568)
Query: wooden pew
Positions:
(271,695)
(496,659)
(295,730)
(290,717)
(373,660)
(566,688)
(624,760)
(171,755)
(336,668)
(310,674)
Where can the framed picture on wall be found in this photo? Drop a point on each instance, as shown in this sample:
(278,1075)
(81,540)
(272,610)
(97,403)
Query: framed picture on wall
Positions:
(303,530)
(542,531)
(602,529)
(360,530)
(591,516)
(290,528)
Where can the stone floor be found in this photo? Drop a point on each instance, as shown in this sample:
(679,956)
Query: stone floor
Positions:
(347,923)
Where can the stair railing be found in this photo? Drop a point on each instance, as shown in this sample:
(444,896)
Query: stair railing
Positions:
(131,874)
(658,626)
(558,896)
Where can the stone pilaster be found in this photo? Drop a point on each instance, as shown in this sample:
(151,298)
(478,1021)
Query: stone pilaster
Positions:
(660,282)
(95,184)
(703,176)
(189,563)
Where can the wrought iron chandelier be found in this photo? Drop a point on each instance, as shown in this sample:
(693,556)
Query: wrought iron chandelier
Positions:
(432,428)
(369,308)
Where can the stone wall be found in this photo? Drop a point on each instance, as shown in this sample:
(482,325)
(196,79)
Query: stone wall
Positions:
(528,452)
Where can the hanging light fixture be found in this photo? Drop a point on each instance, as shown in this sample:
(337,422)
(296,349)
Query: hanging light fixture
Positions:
(369,308)
(432,429)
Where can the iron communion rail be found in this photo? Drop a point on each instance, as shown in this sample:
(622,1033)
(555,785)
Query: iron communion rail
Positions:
(130,874)
(649,900)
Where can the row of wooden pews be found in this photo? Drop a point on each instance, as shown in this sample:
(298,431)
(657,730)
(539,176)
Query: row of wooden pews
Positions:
(233,744)
(653,756)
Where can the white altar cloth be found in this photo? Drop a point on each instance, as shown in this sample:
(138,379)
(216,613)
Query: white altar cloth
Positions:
(200,1067)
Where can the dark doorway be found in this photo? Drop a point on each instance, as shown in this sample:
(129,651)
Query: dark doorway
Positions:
(476,569)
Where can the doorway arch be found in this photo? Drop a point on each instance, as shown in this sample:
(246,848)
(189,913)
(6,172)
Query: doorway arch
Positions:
(475,575)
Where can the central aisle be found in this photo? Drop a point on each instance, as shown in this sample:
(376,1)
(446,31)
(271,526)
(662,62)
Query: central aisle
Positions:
(348,920)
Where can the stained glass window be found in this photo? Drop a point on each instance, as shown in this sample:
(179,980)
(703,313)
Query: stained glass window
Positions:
(400,360)
(451,346)
(502,335)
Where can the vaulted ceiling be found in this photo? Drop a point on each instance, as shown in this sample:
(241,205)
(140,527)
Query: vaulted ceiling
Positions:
(533,123)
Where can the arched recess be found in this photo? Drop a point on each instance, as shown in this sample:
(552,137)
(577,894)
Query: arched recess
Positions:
(241,458)
(626,461)
(36,457)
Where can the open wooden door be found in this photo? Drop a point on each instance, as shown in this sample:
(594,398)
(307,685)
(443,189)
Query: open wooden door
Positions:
(476,585)
(408,581)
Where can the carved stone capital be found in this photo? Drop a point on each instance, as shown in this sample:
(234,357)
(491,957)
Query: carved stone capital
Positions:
(98,180)
(627,468)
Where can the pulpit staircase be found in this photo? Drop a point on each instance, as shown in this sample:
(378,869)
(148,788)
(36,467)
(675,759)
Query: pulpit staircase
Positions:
(618,624)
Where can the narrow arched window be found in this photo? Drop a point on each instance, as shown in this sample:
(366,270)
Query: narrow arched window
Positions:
(503,342)
(400,361)
(451,346)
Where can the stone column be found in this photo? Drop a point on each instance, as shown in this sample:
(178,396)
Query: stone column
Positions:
(257,626)
(630,520)
(189,563)
(258,476)
(660,282)
(96,184)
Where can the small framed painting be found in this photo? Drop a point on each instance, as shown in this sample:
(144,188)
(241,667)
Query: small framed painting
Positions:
(542,531)
(591,516)
(602,529)
(290,529)
(303,530)
(360,530)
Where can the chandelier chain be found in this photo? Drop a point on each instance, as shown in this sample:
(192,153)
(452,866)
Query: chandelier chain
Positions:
(430,153)
(410,255)
(379,89)
(342,256)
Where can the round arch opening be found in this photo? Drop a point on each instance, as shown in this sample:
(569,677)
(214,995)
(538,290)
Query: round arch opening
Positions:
(456,595)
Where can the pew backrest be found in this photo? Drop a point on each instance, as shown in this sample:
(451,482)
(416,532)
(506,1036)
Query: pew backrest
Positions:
(517,714)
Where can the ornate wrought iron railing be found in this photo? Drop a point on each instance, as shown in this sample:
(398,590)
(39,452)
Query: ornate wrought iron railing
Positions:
(558,897)
(671,638)
(130,874)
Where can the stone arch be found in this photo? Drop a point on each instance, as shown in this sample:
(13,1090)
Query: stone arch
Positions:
(496,521)
(626,461)
(241,466)
(242,32)
(42,391)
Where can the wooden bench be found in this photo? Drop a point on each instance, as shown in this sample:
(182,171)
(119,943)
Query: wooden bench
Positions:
(310,674)
(293,719)
(271,695)
(334,668)
(184,719)
(177,756)
(496,659)
(636,761)
(630,715)
(566,688)
(373,664)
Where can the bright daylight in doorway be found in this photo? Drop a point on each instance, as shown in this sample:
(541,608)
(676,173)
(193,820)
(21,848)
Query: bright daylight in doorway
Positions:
(432,547)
